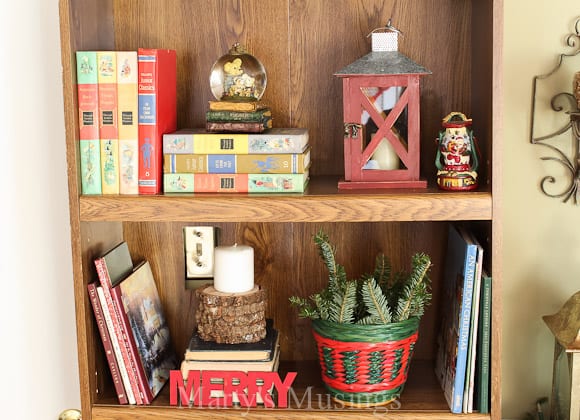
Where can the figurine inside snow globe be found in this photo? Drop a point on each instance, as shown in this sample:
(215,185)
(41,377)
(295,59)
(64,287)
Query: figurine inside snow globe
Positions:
(457,154)
(238,76)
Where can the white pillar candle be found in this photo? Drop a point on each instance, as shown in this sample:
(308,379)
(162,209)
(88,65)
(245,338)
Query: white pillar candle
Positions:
(233,268)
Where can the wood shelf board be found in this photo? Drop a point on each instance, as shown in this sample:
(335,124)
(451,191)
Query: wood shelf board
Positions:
(322,202)
(422,398)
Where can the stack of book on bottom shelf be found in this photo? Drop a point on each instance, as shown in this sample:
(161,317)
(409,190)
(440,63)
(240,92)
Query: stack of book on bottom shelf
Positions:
(463,358)
(262,356)
(132,326)
(275,161)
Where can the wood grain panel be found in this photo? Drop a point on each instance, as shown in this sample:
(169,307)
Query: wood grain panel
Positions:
(183,25)
(396,206)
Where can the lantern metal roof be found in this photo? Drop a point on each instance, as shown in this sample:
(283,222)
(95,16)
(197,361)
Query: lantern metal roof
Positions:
(382,63)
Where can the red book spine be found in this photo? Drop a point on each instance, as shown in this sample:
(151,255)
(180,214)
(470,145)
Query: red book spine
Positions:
(157,97)
(129,360)
(142,381)
(106,340)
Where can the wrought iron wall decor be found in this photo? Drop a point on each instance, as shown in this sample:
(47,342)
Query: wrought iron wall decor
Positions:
(568,103)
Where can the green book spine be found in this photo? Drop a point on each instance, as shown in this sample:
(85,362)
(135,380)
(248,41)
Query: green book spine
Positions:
(220,116)
(484,347)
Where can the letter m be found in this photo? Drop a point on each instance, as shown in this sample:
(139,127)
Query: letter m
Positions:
(188,394)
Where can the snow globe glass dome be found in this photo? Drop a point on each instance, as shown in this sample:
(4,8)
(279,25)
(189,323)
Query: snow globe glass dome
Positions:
(238,76)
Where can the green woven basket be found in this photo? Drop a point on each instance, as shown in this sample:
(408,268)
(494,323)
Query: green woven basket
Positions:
(365,365)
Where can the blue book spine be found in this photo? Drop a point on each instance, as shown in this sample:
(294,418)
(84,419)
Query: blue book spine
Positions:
(464,326)
(221,164)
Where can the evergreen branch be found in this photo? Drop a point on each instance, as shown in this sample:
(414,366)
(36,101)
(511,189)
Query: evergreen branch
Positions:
(326,251)
(305,309)
(375,301)
(343,304)
(382,273)
(416,294)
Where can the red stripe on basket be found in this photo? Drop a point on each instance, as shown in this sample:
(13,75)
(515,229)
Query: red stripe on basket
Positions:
(363,363)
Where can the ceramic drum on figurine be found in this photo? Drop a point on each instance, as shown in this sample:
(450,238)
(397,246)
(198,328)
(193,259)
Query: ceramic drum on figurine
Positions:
(457,154)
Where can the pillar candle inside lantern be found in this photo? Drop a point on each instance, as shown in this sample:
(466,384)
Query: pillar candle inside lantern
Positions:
(233,268)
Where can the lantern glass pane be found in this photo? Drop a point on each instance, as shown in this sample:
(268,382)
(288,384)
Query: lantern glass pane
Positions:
(374,113)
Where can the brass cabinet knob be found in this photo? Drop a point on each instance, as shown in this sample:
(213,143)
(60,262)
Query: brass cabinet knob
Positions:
(70,414)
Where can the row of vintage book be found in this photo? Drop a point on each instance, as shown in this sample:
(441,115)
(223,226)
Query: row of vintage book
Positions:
(462,365)
(132,326)
(127,106)
(126,101)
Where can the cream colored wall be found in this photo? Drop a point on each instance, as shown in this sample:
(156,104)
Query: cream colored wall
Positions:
(37,332)
(541,252)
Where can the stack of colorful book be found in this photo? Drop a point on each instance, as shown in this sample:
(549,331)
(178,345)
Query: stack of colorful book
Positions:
(238,117)
(126,101)
(132,326)
(197,161)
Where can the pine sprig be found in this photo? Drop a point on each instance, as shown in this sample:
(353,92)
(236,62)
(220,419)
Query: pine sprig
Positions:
(382,273)
(380,298)
(415,295)
(305,309)
(375,301)
(343,304)
(336,272)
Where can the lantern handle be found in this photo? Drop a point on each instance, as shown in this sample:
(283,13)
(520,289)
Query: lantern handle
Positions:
(388,27)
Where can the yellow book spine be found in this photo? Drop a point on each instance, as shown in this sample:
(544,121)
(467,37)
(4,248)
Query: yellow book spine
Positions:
(127,111)
(208,143)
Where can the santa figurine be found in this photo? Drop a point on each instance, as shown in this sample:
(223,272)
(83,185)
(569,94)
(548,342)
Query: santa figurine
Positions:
(457,154)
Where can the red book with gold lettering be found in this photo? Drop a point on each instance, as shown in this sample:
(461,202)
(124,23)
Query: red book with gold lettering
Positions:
(157,113)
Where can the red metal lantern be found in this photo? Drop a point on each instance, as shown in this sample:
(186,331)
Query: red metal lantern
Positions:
(381,122)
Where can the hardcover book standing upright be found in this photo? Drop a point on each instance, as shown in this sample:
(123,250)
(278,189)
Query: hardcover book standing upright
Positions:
(157,113)
(128,122)
(143,315)
(88,104)
(109,134)
(453,338)
(112,349)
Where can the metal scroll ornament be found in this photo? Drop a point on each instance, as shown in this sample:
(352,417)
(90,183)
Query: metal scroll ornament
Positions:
(568,104)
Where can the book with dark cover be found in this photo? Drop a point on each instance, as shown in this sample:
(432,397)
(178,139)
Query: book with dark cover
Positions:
(110,352)
(150,340)
(238,126)
(453,338)
(481,398)
(237,365)
(255,116)
(262,350)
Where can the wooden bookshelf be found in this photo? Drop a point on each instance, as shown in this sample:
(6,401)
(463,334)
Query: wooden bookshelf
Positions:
(302,43)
